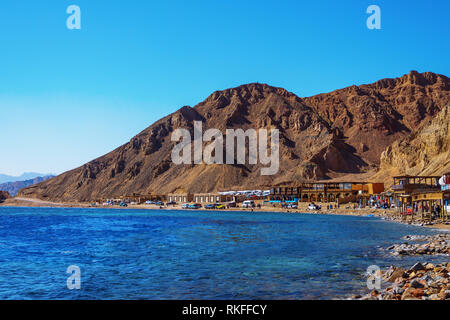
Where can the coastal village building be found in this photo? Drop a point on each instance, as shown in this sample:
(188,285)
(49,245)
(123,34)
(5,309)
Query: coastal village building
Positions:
(340,192)
(141,198)
(180,197)
(422,194)
(212,198)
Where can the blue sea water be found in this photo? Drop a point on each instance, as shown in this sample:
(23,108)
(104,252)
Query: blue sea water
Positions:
(159,254)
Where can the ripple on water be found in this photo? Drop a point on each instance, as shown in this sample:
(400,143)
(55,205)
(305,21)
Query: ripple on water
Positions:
(138,254)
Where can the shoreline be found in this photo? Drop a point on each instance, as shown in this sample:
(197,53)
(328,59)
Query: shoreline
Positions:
(422,281)
(385,214)
(398,283)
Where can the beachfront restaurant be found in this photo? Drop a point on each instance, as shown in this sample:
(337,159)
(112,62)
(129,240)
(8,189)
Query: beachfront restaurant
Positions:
(405,185)
(180,197)
(341,192)
(419,194)
(141,198)
(212,198)
(429,203)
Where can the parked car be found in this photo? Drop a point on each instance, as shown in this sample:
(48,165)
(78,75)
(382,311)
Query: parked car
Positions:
(312,206)
(292,206)
(185,206)
(171,203)
(248,204)
(231,204)
(219,206)
(123,204)
(195,206)
(159,203)
(210,206)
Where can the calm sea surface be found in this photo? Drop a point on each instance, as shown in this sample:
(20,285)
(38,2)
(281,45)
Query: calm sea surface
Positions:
(153,254)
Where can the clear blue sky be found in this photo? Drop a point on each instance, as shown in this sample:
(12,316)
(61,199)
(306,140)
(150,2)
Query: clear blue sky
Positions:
(69,96)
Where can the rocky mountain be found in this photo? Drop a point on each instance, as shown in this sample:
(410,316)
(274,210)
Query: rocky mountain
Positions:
(24,176)
(424,152)
(328,136)
(4,195)
(13,187)
(373,116)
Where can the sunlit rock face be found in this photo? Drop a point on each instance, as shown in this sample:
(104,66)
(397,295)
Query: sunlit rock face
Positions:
(337,135)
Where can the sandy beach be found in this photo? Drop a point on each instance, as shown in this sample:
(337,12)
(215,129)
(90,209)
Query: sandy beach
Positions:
(388,214)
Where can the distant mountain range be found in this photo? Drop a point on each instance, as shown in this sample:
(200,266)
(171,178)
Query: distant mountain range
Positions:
(391,126)
(24,176)
(13,187)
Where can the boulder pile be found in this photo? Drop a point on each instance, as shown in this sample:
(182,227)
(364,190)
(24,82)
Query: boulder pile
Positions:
(420,282)
(425,245)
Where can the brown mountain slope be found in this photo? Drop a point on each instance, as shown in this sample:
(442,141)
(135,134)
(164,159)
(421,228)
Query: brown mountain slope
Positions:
(325,136)
(374,116)
(309,149)
(13,187)
(4,195)
(425,152)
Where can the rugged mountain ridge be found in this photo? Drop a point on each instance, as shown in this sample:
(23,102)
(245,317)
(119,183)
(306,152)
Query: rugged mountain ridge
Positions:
(4,195)
(13,187)
(375,115)
(321,137)
(425,152)
(24,176)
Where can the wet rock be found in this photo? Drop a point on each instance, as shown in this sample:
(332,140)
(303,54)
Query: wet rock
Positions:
(397,290)
(374,293)
(422,281)
(429,266)
(417,284)
(418,266)
(411,294)
(398,273)
(444,294)
(409,285)
(435,244)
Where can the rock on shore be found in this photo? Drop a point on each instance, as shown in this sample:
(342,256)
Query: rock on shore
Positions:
(436,244)
(419,282)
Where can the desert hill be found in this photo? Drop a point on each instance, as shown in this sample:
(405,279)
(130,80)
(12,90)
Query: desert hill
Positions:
(4,195)
(327,136)
(13,187)
(425,152)
(373,116)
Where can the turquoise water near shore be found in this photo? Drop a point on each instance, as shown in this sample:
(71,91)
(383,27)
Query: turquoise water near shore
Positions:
(160,254)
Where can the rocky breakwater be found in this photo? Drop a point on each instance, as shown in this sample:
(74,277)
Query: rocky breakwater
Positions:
(420,282)
(422,245)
